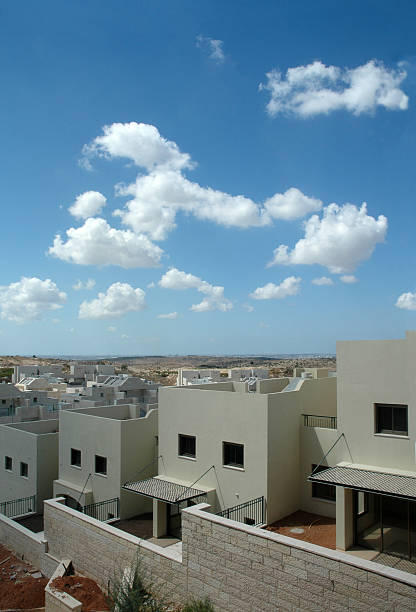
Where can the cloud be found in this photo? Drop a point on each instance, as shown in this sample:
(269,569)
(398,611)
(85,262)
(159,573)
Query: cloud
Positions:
(348,279)
(56,321)
(88,204)
(169,315)
(29,298)
(340,240)
(214,295)
(316,89)
(213,46)
(406,301)
(88,285)
(264,325)
(289,286)
(111,329)
(248,307)
(157,196)
(160,195)
(322,280)
(96,243)
(151,285)
(292,204)
(139,142)
(124,336)
(119,299)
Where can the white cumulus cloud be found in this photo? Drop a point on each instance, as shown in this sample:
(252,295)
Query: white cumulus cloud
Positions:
(213,46)
(292,204)
(29,298)
(96,243)
(88,204)
(139,142)
(88,285)
(289,286)
(340,240)
(214,295)
(169,315)
(316,89)
(322,280)
(406,301)
(119,299)
(111,329)
(348,279)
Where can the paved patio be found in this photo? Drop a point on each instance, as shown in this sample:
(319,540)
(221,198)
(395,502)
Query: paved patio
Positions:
(141,526)
(313,528)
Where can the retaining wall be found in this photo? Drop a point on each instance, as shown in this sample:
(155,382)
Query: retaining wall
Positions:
(241,568)
(31,547)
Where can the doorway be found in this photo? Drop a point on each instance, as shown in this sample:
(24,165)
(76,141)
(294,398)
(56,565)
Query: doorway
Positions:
(385,524)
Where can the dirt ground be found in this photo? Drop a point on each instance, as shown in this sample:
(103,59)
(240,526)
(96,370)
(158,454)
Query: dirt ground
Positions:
(308,527)
(22,586)
(84,589)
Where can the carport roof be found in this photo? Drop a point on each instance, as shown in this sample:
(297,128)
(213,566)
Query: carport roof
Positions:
(163,490)
(383,483)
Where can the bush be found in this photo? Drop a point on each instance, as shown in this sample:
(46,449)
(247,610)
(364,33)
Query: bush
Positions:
(198,605)
(130,594)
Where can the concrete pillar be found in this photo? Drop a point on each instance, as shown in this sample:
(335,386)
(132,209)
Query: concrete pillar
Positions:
(160,519)
(344,519)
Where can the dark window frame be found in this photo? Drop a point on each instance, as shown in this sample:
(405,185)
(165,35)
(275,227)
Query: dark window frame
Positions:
(320,490)
(187,446)
(76,456)
(97,460)
(388,418)
(8,461)
(233,455)
(24,469)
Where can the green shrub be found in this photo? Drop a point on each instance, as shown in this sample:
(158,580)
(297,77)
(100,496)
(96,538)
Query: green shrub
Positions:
(198,605)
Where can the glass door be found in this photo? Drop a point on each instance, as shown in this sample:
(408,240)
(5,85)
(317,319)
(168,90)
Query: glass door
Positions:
(395,518)
(367,520)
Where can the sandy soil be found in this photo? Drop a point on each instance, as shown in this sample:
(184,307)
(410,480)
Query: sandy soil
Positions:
(18,588)
(84,589)
(316,529)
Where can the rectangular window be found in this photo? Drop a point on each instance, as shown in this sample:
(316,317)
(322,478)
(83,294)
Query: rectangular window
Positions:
(323,491)
(186,446)
(24,469)
(3,401)
(8,463)
(75,457)
(391,419)
(233,454)
(100,465)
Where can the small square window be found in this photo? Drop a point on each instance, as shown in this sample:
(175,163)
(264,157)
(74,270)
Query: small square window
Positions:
(186,446)
(8,463)
(24,469)
(3,401)
(75,457)
(100,465)
(233,454)
(391,419)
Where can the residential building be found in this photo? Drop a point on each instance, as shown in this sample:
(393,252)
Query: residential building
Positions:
(102,448)
(372,461)
(232,442)
(28,461)
(34,370)
(80,372)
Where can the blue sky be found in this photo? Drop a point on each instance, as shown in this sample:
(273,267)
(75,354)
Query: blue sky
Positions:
(238,142)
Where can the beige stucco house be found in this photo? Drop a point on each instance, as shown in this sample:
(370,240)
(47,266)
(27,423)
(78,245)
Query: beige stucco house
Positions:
(28,461)
(232,442)
(100,449)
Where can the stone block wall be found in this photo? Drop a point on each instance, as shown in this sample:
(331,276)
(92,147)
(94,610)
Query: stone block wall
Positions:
(244,568)
(240,568)
(30,546)
(102,552)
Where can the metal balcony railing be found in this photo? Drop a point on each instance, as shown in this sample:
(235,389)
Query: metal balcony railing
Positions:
(249,513)
(18,507)
(316,420)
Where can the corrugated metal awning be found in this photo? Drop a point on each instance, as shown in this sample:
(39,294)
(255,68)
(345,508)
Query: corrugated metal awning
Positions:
(384,483)
(163,490)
